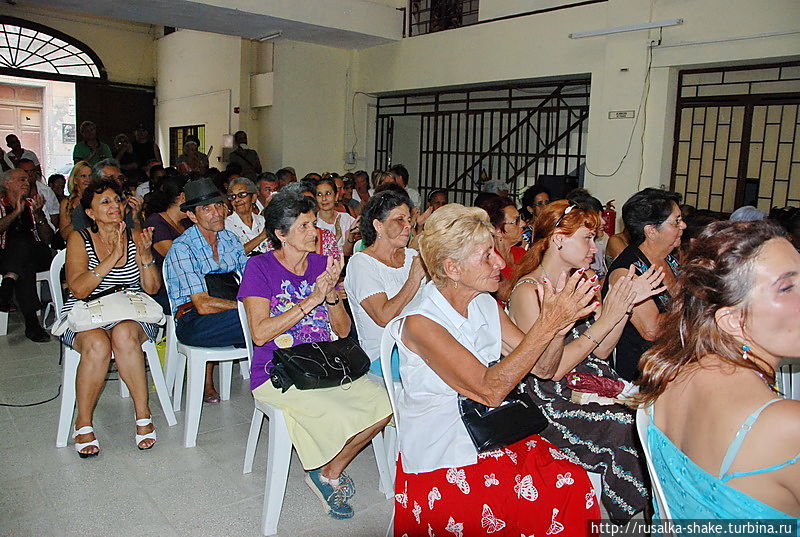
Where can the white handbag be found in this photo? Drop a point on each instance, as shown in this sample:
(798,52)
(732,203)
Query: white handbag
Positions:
(124,305)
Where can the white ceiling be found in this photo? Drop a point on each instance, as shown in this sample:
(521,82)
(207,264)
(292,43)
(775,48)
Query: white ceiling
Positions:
(351,24)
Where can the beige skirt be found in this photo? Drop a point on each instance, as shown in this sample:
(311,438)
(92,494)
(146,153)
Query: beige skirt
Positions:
(321,421)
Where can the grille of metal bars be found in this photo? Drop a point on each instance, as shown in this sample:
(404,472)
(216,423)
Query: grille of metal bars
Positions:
(467,137)
(737,137)
(428,16)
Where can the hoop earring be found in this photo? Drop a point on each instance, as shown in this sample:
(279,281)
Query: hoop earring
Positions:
(745,349)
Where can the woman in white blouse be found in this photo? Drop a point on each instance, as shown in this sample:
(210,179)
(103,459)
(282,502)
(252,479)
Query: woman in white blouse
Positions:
(243,222)
(447,344)
(342,225)
(382,279)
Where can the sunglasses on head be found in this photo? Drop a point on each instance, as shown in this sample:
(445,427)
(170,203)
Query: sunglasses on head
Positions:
(568,210)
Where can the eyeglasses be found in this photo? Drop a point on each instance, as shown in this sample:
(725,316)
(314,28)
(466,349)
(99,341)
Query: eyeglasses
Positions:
(327,194)
(541,203)
(516,221)
(677,222)
(566,212)
(240,195)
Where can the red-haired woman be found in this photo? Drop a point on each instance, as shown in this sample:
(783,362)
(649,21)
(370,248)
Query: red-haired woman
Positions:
(598,435)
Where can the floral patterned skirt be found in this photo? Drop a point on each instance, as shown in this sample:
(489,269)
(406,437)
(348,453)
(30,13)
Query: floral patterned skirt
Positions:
(528,488)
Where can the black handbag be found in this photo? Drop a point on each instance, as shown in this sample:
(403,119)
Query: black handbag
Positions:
(223,285)
(516,418)
(318,365)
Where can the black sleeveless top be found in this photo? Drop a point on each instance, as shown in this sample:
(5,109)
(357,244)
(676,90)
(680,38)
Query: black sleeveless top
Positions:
(631,344)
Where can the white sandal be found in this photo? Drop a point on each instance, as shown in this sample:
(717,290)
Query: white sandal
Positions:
(79,446)
(144,422)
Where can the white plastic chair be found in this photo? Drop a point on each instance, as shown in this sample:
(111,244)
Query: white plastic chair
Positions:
(197,358)
(642,422)
(789,378)
(72,358)
(279,451)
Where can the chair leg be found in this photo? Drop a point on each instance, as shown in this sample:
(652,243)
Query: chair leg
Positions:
(390,529)
(171,365)
(70,372)
(225,375)
(244,369)
(161,385)
(3,323)
(180,372)
(278,458)
(252,440)
(378,446)
(390,442)
(195,382)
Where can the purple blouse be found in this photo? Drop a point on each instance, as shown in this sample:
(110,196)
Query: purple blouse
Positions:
(163,231)
(266,277)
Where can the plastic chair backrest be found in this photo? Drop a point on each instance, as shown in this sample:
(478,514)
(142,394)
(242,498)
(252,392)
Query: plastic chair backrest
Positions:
(54,280)
(248,340)
(388,343)
(642,422)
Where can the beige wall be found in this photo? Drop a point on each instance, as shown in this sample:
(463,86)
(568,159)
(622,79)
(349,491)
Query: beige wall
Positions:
(127,49)
(538,46)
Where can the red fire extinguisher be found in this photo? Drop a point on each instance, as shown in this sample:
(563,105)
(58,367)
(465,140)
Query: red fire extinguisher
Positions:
(609,216)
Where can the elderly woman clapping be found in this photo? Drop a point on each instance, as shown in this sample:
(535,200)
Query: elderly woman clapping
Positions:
(243,222)
(382,279)
(290,298)
(448,344)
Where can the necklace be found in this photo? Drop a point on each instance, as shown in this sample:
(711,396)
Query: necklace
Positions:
(771,385)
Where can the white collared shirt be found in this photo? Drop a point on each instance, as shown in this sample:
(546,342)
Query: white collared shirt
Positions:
(246,234)
(433,435)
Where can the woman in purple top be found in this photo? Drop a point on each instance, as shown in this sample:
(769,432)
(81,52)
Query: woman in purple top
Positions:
(168,223)
(290,297)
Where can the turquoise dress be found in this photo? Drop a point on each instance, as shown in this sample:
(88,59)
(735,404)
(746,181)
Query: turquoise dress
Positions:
(693,493)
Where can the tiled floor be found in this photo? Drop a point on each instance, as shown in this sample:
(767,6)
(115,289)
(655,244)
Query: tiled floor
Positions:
(168,491)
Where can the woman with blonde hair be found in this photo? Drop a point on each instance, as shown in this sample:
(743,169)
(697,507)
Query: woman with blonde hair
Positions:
(78,180)
(724,442)
(599,433)
(449,345)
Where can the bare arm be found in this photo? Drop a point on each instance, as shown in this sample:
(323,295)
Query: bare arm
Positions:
(149,275)
(461,370)
(162,247)
(524,311)
(206,304)
(251,245)
(382,309)
(645,317)
(8,219)
(65,218)
(81,281)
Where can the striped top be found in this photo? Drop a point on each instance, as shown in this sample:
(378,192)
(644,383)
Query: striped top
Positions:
(127,275)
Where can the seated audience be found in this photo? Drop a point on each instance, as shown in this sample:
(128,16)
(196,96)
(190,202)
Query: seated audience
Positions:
(385,276)
(79,179)
(123,153)
(25,236)
(108,169)
(245,157)
(437,198)
(342,225)
(90,149)
(361,187)
(168,222)
(696,222)
(401,176)
(506,220)
(344,205)
(192,158)
(38,186)
(581,196)
(724,443)
(448,344)
(534,199)
(616,244)
(653,221)
(599,437)
(243,222)
(57,182)
(290,298)
(267,185)
(145,150)
(206,248)
(101,257)
(326,243)
(11,159)
(285,176)
(747,213)
(155,175)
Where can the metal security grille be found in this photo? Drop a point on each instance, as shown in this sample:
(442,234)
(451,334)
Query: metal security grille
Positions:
(428,16)
(466,138)
(737,137)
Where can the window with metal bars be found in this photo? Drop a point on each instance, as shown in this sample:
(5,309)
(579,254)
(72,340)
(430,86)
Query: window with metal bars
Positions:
(737,137)
(510,135)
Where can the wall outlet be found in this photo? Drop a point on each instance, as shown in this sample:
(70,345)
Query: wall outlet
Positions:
(350,157)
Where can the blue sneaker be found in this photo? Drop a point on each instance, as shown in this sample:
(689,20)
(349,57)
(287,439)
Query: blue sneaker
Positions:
(347,486)
(333,500)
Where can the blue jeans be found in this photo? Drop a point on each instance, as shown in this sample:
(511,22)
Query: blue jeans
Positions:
(376,369)
(213,330)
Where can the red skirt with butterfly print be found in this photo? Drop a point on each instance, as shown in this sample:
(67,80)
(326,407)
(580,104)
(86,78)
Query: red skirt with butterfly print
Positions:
(528,488)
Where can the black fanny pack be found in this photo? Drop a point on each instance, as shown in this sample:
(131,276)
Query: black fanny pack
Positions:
(318,365)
